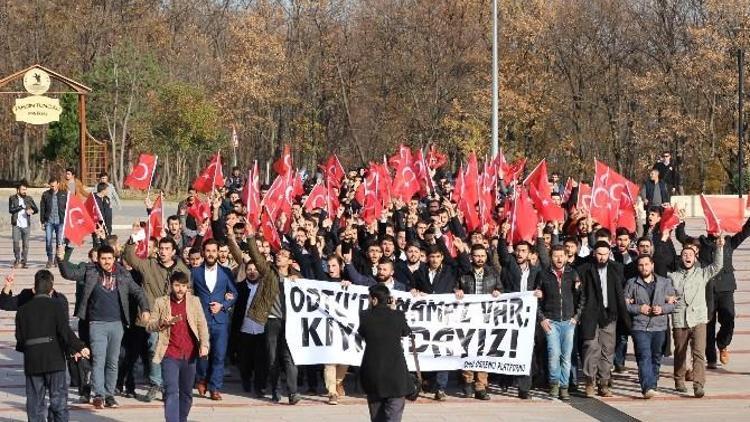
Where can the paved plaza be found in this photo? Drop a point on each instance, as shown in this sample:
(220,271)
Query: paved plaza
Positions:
(727,389)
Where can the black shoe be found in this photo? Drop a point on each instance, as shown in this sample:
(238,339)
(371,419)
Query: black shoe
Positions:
(118,391)
(130,394)
(151,393)
(619,369)
(523,395)
(440,395)
(482,395)
(468,390)
(573,388)
(84,399)
(111,402)
(98,402)
(275,397)
(259,393)
(294,399)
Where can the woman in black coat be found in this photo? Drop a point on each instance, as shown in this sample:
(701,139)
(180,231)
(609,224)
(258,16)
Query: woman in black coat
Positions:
(383,373)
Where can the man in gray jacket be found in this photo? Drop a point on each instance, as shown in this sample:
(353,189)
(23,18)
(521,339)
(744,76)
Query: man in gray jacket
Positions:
(650,299)
(691,314)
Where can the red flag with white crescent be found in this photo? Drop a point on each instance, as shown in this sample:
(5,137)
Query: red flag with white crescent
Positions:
(92,208)
(156,218)
(78,223)
(333,171)
(268,230)
(283,165)
(725,215)
(317,198)
(211,177)
(143,172)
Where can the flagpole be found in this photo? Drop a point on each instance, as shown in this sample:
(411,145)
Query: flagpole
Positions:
(151,181)
(495,84)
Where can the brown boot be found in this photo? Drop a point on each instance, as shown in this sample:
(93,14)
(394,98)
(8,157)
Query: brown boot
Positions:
(202,387)
(604,390)
(340,389)
(589,389)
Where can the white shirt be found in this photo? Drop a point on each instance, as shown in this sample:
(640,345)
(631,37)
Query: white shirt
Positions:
(249,326)
(23,218)
(603,279)
(389,284)
(524,279)
(432,274)
(210,275)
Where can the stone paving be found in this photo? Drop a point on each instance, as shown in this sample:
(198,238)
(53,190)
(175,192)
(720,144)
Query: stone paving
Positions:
(727,389)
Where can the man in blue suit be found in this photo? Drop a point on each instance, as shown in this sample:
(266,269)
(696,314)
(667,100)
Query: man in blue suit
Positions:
(214,286)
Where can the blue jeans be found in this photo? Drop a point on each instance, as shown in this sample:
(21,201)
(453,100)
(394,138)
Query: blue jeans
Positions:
(648,353)
(559,348)
(154,374)
(50,231)
(621,349)
(106,338)
(212,369)
(441,380)
(178,388)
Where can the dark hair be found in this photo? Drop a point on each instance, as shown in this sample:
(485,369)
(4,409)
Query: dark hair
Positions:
(432,249)
(337,258)
(172,218)
(413,244)
(105,249)
(387,238)
(43,281)
(524,243)
(194,249)
(603,232)
(52,179)
(71,170)
(210,242)
(169,240)
(22,183)
(642,256)
(375,244)
(622,231)
(570,239)
(478,247)
(557,247)
(656,209)
(179,277)
(101,186)
(381,293)
(601,244)
(644,239)
(103,174)
(385,261)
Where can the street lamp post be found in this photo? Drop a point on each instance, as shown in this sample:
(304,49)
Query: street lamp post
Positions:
(494,81)
(740,117)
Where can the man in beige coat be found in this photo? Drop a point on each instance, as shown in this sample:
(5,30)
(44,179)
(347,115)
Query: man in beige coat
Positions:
(183,337)
(691,314)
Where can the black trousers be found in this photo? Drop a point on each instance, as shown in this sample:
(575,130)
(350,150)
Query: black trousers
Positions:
(386,410)
(278,354)
(80,370)
(37,387)
(135,345)
(723,312)
(252,360)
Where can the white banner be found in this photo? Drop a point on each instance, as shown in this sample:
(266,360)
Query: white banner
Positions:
(479,332)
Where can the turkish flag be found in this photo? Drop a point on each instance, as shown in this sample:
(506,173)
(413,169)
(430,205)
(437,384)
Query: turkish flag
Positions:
(156,218)
(422,172)
(211,177)
(568,189)
(268,230)
(538,177)
(251,196)
(141,247)
(435,159)
(333,171)
(384,183)
(546,208)
(283,165)
(318,198)
(458,187)
(511,171)
(332,200)
(669,219)
(524,219)
(143,172)
(78,223)
(613,198)
(723,215)
(200,210)
(486,195)
(92,208)
(471,216)
(448,238)
(584,196)
(401,158)
(471,180)
(405,183)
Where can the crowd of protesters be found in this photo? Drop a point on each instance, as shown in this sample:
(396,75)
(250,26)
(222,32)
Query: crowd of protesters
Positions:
(207,290)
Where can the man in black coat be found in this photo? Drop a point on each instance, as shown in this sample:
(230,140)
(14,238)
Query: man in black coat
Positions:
(45,339)
(21,207)
(8,302)
(105,206)
(51,215)
(604,308)
(383,373)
